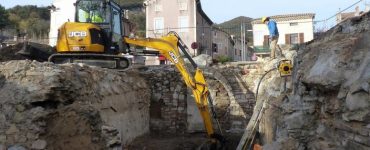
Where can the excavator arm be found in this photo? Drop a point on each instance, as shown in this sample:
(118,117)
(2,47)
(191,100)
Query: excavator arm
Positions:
(169,46)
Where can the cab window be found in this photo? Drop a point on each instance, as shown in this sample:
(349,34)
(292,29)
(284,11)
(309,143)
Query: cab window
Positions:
(92,11)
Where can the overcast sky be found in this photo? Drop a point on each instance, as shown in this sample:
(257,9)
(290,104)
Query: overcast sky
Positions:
(223,10)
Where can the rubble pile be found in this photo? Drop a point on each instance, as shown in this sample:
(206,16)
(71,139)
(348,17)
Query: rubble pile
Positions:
(70,106)
(326,104)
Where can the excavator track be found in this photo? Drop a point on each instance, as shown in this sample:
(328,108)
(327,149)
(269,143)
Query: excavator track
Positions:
(100,60)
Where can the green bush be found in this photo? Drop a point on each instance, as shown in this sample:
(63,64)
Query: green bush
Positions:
(222,59)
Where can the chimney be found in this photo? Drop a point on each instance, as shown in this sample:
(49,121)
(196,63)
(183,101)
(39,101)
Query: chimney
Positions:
(357,12)
(339,16)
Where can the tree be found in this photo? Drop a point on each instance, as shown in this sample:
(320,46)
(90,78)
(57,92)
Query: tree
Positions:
(30,19)
(3,18)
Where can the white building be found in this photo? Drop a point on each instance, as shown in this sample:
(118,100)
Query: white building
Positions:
(61,11)
(293,29)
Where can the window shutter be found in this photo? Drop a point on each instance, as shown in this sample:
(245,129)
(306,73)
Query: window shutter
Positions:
(265,41)
(287,39)
(301,37)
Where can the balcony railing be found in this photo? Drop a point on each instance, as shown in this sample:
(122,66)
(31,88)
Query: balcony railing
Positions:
(262,49)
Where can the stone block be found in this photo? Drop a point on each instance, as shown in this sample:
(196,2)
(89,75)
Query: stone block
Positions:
(180,109)
(16,147)
(2,139)
(181,97)
(20,138)
(20,108)
(295,121)
(359,115)
(18,117)
(12,130)
(2,120)
(357,101)
(157,96)
(175,95)
(31,136)
(39,144)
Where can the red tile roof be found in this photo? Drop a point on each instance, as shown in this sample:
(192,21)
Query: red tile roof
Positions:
(287,17)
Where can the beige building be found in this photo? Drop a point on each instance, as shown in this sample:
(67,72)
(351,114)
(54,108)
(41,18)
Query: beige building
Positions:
(223,44)
(293,29)
(185,17)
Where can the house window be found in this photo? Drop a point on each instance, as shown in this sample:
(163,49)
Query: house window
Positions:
(182,5)
(293,24)
(294,38)
(184,23)
(214,47)
(158,25)
(157,7)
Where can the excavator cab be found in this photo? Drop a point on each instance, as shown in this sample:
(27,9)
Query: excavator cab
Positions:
(107,16)
(95,38)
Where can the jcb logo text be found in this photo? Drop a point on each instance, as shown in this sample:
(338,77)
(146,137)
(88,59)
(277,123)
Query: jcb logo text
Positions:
(77,34)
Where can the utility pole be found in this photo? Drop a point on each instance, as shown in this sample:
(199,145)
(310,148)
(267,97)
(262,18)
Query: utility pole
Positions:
(242,40)
(244,48)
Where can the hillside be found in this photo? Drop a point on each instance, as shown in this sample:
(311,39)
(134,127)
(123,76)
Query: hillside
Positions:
(34,21)
(129,4)
(29,19)
(233,26)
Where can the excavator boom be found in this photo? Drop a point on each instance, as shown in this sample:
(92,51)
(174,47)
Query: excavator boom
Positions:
(169,46)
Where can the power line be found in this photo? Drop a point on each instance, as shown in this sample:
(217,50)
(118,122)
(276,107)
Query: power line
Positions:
(341,11)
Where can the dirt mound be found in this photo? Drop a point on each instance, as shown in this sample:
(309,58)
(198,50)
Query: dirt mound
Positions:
(27,50)
(10,52)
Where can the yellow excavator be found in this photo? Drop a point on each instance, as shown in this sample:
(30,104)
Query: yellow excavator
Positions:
(96,38)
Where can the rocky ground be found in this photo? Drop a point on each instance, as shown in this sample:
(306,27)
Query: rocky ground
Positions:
(327,104)
(47,106)
(167,142)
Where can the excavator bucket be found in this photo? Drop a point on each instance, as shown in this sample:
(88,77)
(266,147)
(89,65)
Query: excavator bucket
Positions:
(36,51)
(100,60)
